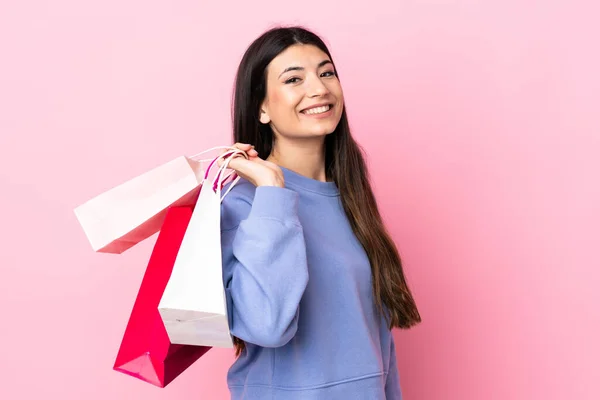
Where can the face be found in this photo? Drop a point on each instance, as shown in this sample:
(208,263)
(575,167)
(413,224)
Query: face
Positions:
(304,97)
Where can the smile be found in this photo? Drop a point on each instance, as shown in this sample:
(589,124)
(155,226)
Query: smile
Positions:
(317,110)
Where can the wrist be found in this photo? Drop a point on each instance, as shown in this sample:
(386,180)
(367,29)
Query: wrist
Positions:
(277,182)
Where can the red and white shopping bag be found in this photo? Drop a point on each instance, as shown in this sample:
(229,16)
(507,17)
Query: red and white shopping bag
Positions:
(125,215)
(146,351)
(193,306)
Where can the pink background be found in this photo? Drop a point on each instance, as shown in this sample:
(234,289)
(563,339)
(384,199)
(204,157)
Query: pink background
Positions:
(482,123)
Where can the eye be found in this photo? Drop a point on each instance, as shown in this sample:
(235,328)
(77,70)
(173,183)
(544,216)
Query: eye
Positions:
(292,80)
(328,73)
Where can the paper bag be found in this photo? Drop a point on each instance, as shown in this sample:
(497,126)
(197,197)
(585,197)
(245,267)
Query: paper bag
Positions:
(118,219)
(146,351)
(193,306)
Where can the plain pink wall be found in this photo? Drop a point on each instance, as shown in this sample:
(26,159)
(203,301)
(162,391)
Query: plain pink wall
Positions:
(481,122)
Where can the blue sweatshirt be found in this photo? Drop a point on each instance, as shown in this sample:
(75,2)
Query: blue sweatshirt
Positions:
(299,294)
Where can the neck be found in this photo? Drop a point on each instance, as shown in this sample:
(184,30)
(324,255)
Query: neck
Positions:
(305,157)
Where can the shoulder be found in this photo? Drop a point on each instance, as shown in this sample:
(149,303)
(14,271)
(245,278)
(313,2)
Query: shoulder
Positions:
(236,205)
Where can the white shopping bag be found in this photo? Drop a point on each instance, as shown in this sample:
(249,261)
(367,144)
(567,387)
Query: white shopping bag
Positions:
(193,306)
(125,215)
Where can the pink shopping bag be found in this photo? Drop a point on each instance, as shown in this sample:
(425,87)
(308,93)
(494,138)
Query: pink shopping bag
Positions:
(146,352)
(125,215)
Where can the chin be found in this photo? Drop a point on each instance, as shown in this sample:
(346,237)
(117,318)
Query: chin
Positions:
(322,130)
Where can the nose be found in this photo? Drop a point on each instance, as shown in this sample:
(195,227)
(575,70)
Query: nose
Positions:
(316,87)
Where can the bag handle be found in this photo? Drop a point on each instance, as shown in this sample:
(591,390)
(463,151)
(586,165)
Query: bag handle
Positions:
(225,155)
(219,185)
(195,156)
(213,160)
(219,180)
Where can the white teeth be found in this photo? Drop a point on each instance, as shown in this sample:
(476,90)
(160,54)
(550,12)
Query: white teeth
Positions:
(317,110)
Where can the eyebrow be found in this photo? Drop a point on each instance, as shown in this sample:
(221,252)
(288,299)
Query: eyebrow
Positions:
(294,68)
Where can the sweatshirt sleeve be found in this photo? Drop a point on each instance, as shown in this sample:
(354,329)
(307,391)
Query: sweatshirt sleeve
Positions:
(392,383)
(265,271)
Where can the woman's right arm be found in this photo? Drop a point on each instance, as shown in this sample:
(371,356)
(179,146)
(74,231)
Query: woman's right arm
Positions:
(264,264)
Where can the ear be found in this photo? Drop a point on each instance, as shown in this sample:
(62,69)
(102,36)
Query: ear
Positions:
(264,115)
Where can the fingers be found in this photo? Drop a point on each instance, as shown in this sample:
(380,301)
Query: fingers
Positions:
(245,147)
(248,148)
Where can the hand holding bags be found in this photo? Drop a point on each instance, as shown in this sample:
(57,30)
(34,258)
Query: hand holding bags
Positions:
(193,306)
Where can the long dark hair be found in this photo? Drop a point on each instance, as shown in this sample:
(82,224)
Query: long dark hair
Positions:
(344,165)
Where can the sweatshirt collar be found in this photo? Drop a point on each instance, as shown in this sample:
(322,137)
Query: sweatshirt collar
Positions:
(312,185)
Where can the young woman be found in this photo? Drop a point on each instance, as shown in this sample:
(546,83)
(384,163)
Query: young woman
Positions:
(313,281)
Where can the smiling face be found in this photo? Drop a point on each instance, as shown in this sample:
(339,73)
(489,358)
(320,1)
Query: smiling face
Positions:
(304,97)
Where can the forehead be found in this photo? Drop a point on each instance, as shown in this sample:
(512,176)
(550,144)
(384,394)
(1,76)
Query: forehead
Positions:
(298,55)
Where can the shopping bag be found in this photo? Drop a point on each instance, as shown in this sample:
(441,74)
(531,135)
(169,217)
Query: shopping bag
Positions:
(125,215)
(193,306)
(146,352)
